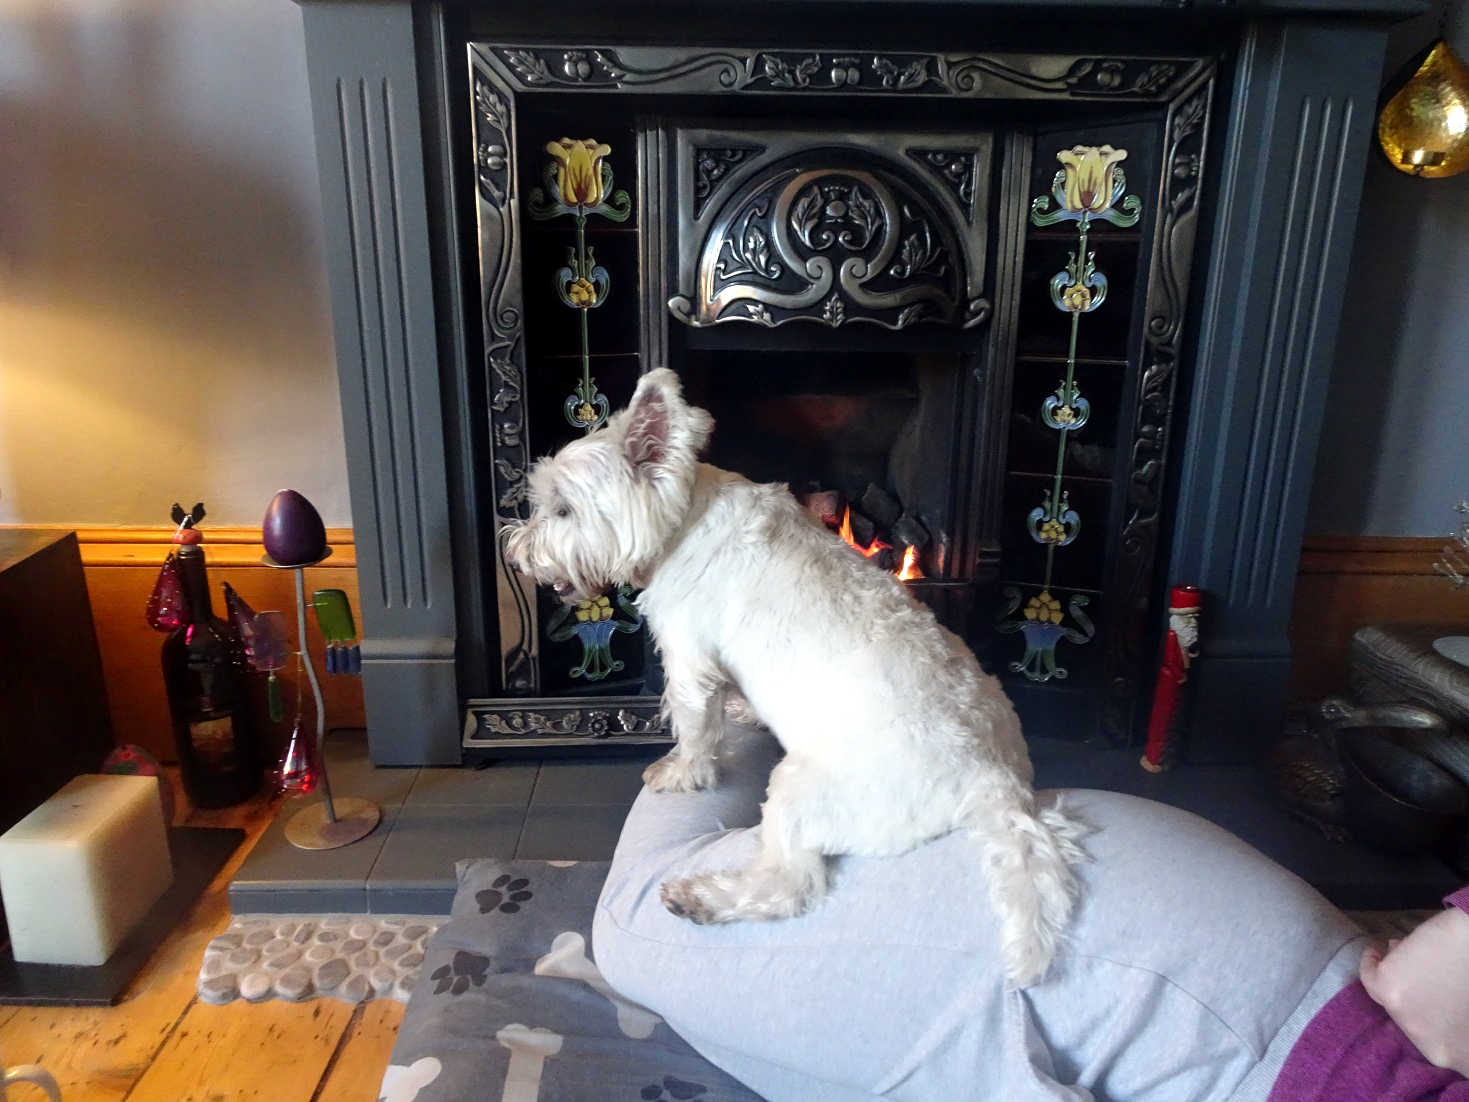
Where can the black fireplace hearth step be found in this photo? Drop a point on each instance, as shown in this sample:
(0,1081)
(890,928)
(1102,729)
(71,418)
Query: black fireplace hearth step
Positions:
(573,809)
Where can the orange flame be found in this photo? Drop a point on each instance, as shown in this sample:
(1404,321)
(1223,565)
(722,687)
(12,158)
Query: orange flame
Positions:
(909,571)
(845,531)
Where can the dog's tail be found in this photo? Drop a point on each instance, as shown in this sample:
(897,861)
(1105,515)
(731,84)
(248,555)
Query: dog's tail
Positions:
(1028,852)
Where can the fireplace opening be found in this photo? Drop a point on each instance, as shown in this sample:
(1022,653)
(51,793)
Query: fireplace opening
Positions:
(864,437)
(864,434)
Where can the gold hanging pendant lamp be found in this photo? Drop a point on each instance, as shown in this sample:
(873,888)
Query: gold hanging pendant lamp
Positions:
(1423,127)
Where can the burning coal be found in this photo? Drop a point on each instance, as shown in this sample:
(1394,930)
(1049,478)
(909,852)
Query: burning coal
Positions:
(907,570)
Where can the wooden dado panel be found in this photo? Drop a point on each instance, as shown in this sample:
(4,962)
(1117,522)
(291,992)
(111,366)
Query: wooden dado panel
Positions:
(1345,582)
(121,565)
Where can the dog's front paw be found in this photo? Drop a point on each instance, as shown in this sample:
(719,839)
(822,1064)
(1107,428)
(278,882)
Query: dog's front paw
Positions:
(672,773)
(683,898)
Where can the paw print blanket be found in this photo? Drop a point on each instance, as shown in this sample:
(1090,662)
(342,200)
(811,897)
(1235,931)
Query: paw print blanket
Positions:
(509,1004)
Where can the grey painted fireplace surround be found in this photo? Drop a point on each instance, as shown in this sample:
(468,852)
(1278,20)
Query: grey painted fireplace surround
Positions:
(1297,86)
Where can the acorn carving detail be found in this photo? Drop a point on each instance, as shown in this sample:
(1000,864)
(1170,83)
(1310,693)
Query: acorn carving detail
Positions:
(292,530)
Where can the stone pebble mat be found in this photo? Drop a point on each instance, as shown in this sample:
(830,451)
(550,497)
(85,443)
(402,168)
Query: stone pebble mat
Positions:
(349,957)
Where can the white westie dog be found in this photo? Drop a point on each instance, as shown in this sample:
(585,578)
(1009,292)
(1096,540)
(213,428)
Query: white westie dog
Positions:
(893,735)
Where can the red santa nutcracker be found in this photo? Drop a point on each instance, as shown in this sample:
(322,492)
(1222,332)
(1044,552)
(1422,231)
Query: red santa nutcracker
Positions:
(1170,696)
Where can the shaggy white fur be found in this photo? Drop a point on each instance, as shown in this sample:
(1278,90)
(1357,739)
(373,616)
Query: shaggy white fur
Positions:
(893,734)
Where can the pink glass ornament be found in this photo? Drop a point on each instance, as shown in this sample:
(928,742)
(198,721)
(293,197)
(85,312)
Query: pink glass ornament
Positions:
(298,773)
(242,618)
(166,609)
(299,770)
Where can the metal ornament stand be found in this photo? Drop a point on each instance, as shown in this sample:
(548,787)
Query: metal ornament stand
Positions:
(330,824)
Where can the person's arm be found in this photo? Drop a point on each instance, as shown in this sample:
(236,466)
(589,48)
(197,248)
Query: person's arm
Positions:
(1423,984)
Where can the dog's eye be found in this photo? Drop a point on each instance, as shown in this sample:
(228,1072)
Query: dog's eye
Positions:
(563,511)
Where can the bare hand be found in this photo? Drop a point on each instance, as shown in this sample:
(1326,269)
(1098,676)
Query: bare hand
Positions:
(1423,984)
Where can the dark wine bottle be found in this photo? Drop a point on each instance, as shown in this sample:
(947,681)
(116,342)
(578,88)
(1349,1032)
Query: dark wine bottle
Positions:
(208,694)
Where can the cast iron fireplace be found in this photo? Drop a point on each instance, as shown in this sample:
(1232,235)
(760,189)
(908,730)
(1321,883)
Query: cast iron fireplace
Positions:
(1046,291)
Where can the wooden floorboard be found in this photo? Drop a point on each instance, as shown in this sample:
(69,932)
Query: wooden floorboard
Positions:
(272,1051)
(161,1043)
(357,1071)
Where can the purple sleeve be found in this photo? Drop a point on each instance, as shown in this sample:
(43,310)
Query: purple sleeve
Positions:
(1353,1052)
(1459,899)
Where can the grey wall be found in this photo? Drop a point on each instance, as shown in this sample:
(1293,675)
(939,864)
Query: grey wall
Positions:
(164,327)
(1395,450)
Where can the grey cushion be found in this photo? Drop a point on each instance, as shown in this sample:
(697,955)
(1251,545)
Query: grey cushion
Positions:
(510,972)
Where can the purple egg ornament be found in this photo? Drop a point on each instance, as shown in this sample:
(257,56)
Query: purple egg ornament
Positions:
(292,530)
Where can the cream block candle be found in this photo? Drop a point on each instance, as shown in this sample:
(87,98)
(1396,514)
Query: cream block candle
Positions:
(78,873)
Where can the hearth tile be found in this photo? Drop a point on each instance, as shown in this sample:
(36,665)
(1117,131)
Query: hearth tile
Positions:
(593,782)
(417,863)
(571,832)
(503,784)
(1084,566)
(553,327)
(1033,444)
(1044,330)
(352,773)
(278,876)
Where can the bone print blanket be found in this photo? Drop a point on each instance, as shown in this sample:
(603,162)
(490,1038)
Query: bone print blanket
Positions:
(510,1006)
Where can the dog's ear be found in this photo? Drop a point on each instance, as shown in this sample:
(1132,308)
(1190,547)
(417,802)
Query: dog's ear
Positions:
(646,434)
(660,425)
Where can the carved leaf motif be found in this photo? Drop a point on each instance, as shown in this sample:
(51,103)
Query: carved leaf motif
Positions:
(864,212)
(779,72)
(513,478)
(749,249)
(490,105)
(713,165)
(1155,78)
(507,393)
(833,312)
(1190,117)
(757,248)
(912,256)
(609,63)
(523,723)
(634,724)
(533,69)
(914,75)
(805,213)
